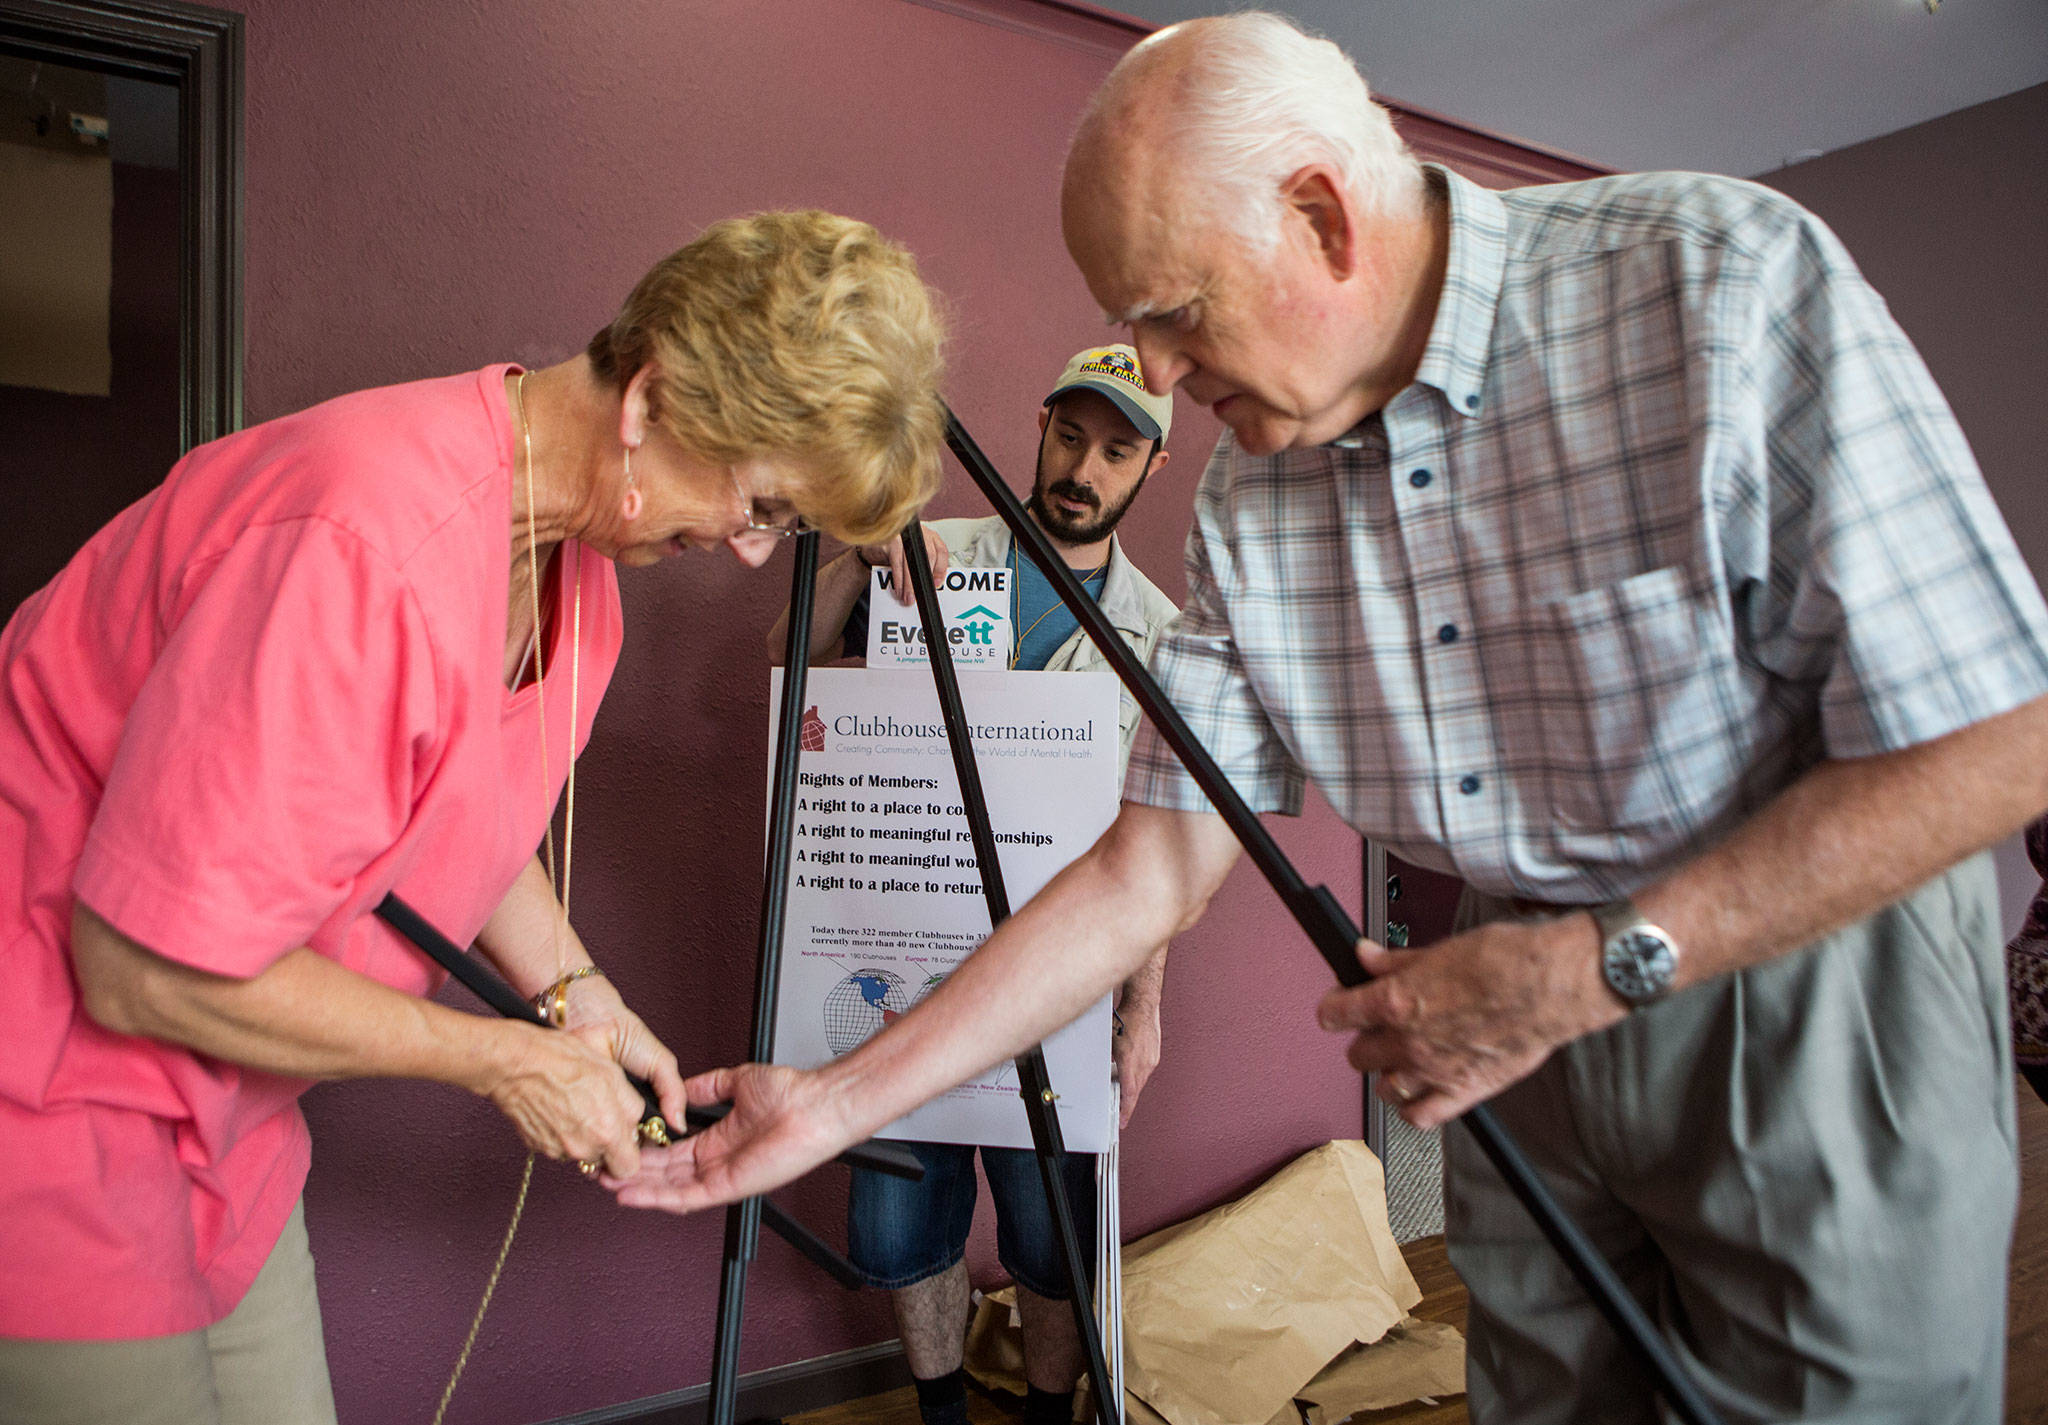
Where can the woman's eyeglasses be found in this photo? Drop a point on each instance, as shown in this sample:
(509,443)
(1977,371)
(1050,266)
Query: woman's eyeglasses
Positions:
(759,520)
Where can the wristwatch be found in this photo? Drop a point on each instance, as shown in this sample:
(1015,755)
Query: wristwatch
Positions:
(1638,960)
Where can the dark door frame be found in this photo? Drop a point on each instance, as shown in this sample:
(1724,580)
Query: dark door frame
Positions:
(199,50)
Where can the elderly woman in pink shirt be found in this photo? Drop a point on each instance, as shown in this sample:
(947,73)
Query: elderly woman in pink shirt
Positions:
(341,654)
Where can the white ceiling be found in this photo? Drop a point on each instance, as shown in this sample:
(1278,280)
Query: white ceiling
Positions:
(1727,86)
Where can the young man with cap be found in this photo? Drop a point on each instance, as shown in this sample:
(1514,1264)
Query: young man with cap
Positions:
(1101,435)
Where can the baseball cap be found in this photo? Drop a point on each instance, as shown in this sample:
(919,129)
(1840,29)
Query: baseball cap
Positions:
(1113,371)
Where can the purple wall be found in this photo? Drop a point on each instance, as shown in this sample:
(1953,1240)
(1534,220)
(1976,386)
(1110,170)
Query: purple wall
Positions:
(1949,220)
(431,188)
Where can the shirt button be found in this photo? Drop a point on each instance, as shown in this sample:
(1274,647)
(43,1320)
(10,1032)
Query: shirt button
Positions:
(1447,634)
(1420,478)
(1472,402)
(1468,784)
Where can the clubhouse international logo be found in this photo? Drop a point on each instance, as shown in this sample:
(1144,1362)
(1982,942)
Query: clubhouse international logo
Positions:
(811,732)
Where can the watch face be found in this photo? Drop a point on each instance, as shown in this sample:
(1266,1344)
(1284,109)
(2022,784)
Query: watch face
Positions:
(1639,964)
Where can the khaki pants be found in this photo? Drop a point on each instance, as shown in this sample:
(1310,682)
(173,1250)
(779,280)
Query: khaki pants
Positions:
(264,1364)
(1806,1172)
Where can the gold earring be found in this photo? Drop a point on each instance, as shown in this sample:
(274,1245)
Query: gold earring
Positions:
(633,504)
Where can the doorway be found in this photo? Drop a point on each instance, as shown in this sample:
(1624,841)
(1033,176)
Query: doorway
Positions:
(120,263)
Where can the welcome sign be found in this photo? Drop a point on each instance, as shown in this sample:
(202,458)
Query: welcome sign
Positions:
(975,604)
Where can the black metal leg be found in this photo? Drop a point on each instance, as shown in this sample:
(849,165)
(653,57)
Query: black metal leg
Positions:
(743,1219)
(1316,911)
(1032,1079)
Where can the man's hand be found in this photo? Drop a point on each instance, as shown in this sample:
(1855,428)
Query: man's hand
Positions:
(1134,1051)
(875,555)
(777,1131)
(1451,1026)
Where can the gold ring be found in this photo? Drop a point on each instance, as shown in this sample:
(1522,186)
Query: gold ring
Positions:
(589,1167)
(1401,1091)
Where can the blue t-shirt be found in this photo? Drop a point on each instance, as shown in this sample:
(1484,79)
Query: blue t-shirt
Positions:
(1043,623)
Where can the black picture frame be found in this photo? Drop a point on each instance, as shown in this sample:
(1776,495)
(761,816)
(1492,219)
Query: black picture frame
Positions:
(199,50)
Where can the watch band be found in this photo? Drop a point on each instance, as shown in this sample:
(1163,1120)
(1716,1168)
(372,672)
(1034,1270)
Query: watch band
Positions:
(1616,916)
(1638,959)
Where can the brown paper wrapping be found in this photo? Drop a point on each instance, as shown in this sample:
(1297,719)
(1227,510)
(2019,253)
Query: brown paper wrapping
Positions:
(1228,1316)
(1416,1359)
(1232,1316)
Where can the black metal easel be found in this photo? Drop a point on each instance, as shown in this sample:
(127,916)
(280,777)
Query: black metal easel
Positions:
(743,1218)
(1332,932)
(741,1230)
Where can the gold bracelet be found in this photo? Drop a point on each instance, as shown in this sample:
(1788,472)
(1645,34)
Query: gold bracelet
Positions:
(553,1002)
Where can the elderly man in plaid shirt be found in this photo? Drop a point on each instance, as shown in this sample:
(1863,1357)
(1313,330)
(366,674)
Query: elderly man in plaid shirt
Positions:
(1609,546)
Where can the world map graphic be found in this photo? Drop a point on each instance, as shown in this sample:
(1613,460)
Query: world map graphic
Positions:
(860,1006)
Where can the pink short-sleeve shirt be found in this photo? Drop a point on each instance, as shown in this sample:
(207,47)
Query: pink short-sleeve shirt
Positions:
(261,698)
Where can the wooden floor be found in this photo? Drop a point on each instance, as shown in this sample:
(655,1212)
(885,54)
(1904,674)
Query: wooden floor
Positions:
(1443,1299)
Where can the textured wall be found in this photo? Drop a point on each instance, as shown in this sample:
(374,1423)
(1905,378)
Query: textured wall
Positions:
(1949,220)
(434,187)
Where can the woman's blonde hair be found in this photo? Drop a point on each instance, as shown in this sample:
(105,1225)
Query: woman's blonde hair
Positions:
(800,335)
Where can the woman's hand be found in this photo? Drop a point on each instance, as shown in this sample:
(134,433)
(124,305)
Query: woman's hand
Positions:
(891,554)
(596,1008)
(564,1093)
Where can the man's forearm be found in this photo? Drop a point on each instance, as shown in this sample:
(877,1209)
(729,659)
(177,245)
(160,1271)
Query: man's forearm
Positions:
(1849,838)
(1097,921)
(1141,992)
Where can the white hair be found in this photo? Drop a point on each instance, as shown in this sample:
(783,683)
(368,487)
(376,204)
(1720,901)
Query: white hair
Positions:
(1264,99)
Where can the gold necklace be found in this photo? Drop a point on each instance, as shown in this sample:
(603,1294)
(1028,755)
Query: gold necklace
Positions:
(540,690)
(540,693)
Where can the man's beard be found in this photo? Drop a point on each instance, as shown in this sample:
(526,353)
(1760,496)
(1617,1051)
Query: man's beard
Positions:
(1092,525)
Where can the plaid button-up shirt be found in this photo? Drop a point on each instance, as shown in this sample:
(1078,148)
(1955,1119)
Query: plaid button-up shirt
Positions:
(1671,512)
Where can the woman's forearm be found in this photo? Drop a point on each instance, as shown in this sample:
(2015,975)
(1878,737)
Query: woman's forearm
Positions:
(521,935)
(303,1017)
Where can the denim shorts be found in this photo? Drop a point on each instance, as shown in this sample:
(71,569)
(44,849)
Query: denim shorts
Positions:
(898,1233)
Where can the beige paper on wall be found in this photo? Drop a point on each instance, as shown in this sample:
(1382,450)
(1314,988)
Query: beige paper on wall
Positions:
(56,269)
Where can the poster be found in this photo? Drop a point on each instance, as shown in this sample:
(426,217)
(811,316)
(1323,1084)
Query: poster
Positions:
(975,604)
(885,898)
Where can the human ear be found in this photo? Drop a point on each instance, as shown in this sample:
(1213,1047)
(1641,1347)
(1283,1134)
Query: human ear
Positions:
(635,410)
(1315,195)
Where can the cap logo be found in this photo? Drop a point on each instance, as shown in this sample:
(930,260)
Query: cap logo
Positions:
(1116,366)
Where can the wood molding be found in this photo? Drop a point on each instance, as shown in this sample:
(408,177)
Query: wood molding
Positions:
(769,1394)
(1060,22)
(199,50)
(1491,159)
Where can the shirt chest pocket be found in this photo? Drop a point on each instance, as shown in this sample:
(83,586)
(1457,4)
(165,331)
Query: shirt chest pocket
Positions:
(1632,685)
